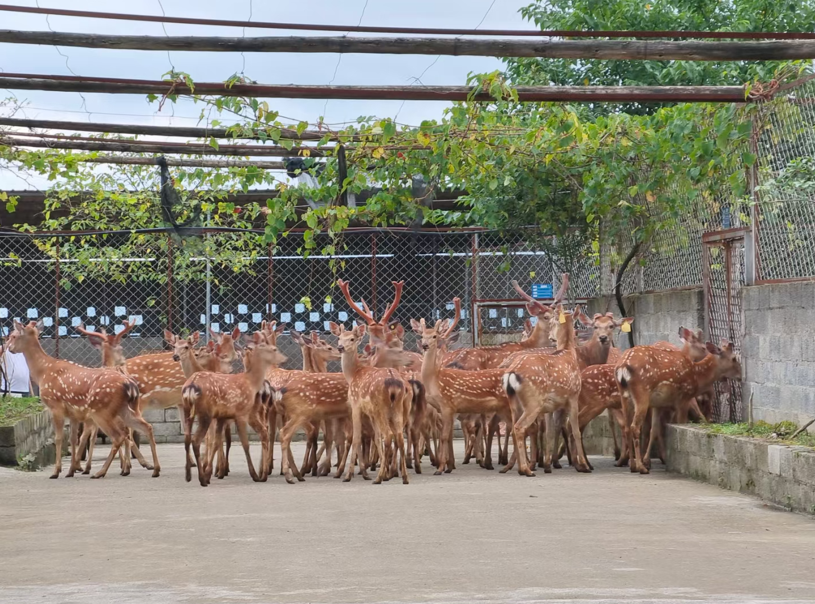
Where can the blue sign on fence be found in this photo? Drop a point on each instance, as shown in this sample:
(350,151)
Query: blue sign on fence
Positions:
(542,290)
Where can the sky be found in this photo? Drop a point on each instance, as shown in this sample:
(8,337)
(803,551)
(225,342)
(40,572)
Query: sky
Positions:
(268,68)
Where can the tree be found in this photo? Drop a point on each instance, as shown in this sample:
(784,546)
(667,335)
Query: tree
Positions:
(675,15)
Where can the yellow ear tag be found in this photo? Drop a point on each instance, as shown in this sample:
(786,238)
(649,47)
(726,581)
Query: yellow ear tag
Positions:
(625,327)
(562,317)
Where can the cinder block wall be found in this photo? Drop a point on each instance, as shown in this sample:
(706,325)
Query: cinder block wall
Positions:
(656,316)
(778,353)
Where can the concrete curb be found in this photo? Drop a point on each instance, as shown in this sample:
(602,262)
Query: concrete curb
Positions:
(780,474)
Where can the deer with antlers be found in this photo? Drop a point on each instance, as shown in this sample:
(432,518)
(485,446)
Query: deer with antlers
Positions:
(381,394)
(107,398)
(651,377)
(236,397)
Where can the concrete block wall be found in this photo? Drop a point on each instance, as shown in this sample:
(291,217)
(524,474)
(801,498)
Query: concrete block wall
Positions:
(656,316)
(777,473)
(778,353)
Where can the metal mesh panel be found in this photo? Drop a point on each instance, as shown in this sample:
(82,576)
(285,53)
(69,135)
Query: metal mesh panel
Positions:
(725,277)
(786,191)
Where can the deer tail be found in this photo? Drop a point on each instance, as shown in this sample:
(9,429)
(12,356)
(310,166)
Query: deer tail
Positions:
(190,394)
(511,382)
(623,375)
(132,394)
(395,388)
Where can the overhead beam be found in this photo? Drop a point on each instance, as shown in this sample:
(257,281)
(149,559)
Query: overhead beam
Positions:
(596,94)
(183,131)
(435,31)
(186,163)
(776,50)
(153,147)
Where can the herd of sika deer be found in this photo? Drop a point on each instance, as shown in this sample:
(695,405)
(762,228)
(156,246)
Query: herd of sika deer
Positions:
(388,407)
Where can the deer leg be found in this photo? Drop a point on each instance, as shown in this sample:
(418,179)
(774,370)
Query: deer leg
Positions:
(656,416)
(271,426)
(611,422)
(132,448)
(640,411)
(75,451)
(186,426)
(582,464)
(384,467)
(58,418)
(414,447)
(328,447)
(356,443)
(624,420)
(519,429)
(400,445)
(503,456)
(445,438)
(625,453)
(552,432)
(259,427)
(204,421)
(117,432)
(135,421)
(228,440)
(286,432)
(88,439)
(488,436)
(240,424)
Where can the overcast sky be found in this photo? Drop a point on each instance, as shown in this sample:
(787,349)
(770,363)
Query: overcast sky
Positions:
(264,68)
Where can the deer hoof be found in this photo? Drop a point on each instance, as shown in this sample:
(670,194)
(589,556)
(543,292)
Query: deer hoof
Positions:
(54,476)
(366,477)
(557,465)
(547,470)
(97,476)
(347,479)
(405,480)
(86,472)
(645,470)
(290,479)
(436,473)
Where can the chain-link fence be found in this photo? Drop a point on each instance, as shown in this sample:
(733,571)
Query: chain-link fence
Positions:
(161,282)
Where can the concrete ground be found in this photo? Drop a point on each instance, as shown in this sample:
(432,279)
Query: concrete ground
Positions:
(472,535)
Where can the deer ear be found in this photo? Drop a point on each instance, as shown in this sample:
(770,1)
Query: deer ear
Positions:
(334,328)
(236,334)
(18,326)
(453,338)
(400,331)
(296,336)
(169,337)
(40,325)
(417,327)
(195,337)
(361,329)
(625,320)
(279,329)
(441,326)
(712,348)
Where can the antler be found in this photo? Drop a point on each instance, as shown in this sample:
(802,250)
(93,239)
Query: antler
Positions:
(528,298)
(92,334)
(457,304)
(397,285)
(564,287)
(343,285)
(129,325)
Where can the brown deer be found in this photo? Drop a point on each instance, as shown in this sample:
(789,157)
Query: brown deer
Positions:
(224,397)
(378,393)
(548,384)
(489,357)
(105,397)
(652,377)
(456,391)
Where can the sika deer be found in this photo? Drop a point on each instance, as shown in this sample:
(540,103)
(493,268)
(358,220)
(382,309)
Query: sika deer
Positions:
(541,384)
(225,397)
(103,396)
(381,395)
(651,377)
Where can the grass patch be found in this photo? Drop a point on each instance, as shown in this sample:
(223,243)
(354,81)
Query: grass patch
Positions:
(780,432)
(13,409)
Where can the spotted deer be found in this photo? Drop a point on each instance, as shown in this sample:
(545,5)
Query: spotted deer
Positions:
(651,377)
(456,391)
(548,384)
(381,394)
(103,396)
(223,397)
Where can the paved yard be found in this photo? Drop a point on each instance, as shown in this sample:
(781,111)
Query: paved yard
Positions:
(473,535)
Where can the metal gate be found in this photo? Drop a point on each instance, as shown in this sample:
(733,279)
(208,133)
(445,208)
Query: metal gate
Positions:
(723,265)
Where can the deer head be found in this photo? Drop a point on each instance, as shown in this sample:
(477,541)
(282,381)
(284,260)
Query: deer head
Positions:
(226,344)
(603,326)
(543,312)
(431,337)
(694,340)
(322,350)
(182,347)
(263,353)
(377,329)
(348,339)
(727,363)
(23,337)
(110,345)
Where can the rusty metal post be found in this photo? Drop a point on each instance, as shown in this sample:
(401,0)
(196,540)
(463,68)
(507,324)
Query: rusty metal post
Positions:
(270,281)
(474,317)
(373,273)
(56,302)
(169,282)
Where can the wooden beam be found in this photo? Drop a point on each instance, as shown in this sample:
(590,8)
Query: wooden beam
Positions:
(154,147)
(594,94)
(186,163)
(435,31)
(777,50)
(185,131)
